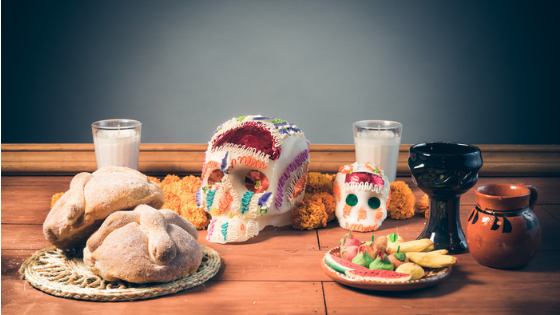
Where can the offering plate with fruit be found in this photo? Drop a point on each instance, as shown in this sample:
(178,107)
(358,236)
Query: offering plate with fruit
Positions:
(387,263)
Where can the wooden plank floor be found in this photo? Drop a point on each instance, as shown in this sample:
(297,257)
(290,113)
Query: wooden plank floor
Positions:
(279,272)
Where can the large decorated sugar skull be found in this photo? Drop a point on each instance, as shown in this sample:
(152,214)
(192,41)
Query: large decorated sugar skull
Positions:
(362,194)
(254,172)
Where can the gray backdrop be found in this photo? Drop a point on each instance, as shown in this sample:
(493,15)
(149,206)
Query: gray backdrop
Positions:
(481,72)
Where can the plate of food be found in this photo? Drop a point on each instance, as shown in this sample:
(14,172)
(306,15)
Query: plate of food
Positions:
(397,265)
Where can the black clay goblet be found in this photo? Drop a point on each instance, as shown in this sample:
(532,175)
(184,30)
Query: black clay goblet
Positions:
(445,171)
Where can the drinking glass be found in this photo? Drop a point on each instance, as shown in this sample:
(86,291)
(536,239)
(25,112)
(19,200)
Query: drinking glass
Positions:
(378,141)
(117,142)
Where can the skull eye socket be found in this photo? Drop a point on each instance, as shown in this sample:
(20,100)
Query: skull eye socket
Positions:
(256,182)
(215,177)
(374,202)
(352,200)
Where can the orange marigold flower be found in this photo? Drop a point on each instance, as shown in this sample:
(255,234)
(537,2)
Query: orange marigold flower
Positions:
(169,179)
(423,205)
(401,205)
(180,196)
(55,198)
(172,202)
(314,211)
(318,182)
(308,216)
(330,205)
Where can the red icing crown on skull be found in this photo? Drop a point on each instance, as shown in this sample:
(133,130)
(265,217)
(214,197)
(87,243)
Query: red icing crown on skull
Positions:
(365,177)
(250,134)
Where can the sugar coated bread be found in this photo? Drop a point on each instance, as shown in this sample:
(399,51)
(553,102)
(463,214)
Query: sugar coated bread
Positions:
(144,245)
(93,197)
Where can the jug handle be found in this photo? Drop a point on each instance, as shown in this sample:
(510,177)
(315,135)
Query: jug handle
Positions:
(534,194)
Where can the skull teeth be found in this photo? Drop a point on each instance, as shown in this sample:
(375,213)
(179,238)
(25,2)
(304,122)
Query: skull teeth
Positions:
(362,186)
(243,150)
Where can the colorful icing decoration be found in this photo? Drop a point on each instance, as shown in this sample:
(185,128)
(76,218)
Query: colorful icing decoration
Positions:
(296,165)
(224,166)
(264,203)
(224,230)
(211,227)
(224,203)
(245,201)
(255,170)
(210,198)
(361,192)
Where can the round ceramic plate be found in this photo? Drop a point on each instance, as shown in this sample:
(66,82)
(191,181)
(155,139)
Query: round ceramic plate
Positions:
(433,277)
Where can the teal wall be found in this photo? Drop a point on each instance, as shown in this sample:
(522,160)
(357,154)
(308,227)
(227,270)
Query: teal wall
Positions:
(481,72)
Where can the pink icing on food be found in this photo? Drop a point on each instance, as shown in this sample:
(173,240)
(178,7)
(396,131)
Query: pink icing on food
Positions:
(365,177)
(211,228)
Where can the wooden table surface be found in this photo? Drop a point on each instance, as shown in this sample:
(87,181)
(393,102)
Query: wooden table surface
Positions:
(279,271)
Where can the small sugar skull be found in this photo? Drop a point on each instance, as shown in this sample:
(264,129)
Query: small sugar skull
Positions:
(362,194)
(254,172)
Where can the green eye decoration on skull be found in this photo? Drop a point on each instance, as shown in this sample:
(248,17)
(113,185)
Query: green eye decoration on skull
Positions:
(351,200)
(374,202)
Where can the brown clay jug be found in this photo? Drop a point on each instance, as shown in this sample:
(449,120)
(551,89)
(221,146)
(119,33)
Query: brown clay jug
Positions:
(502,230)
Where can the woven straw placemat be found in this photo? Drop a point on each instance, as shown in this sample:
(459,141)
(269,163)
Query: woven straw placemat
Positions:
(53,272)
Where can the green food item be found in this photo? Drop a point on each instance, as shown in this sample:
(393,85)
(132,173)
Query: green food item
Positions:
(340,264)
(398,255)
(381,264)
(344,266)
(363,258)
(393,237)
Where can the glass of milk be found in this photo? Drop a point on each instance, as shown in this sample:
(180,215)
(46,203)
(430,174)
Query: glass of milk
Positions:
(378,141)
(117,142)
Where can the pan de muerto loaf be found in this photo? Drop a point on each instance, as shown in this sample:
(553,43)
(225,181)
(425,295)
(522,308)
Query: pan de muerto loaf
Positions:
(144,245)
(93,197)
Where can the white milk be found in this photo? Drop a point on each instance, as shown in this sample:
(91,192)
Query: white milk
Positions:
(117,147)
(380,148)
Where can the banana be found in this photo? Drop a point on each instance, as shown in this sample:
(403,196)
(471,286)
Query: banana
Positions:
(438,251)
(410,246)
(429,248)
(431,260)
